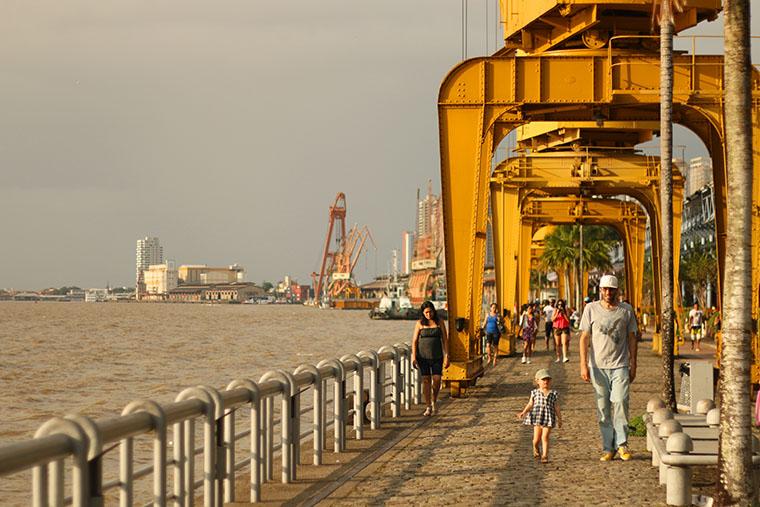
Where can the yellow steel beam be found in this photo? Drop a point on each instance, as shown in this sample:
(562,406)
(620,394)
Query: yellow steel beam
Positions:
(483,99)
(609,174)
(541,25)
(628,218)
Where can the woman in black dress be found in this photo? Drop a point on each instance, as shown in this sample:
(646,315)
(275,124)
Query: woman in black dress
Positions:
(430,354)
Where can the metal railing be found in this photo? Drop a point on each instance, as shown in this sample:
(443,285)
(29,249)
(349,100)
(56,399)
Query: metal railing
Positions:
(692,68)
(173,426)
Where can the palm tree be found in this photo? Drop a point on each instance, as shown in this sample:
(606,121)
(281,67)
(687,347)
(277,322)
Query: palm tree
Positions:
(562,246)
(666,198)
(698,267)
(735,448)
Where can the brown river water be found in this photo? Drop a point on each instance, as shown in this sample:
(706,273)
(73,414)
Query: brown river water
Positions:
(94,358)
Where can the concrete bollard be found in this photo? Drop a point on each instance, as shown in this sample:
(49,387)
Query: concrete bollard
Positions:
(667,428)
(653,404)
(661,414)
(713,418)
(704,406)
(678,481)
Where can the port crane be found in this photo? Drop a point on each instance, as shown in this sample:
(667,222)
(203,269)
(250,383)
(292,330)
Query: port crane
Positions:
(340,255)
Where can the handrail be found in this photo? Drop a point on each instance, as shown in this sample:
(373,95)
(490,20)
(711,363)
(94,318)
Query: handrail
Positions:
(173,425)
(692,65)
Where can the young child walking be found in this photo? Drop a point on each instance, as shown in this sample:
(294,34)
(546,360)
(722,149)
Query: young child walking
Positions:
(542,412)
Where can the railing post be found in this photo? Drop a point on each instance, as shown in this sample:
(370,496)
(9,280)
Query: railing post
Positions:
(339,395)
(397,379)
(358,393)
(78,442)
(217,440)
(286,421)
(292,431)
(179,462)
(188,449)
(159,445)
(374,396)
(318,434)
(228,479)
(268,424)
(204,395)
(94,496)
(407,373)
(255,483)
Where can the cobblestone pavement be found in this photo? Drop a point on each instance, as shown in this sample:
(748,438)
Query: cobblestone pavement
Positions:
(476,452)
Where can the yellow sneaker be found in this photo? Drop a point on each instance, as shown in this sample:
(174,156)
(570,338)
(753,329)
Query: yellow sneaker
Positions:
(624,452)
(607,456)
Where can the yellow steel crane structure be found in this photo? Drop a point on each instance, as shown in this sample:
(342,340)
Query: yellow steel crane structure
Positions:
(592,66)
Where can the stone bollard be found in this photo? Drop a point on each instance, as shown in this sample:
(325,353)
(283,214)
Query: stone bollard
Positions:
(660,415)
(678,481)
(667,428)
(713,418)
(704,406)
(653,404)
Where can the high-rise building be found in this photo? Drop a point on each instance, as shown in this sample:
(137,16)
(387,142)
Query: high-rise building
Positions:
(699,175)
(407,249)
(149,252)
(160,278)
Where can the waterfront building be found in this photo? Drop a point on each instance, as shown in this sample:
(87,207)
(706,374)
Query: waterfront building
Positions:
(407,249)
(159,279)
(427,277)
(233,292)
(75,295)
(148,252)
(194,274)
(698,175)
(95,295)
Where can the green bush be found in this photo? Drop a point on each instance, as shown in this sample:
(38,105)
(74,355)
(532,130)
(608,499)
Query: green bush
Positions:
(637,427)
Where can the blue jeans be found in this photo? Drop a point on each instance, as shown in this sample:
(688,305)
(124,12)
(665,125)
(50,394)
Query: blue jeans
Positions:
(611,387)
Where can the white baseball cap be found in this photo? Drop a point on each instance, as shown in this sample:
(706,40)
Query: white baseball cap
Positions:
(609,281)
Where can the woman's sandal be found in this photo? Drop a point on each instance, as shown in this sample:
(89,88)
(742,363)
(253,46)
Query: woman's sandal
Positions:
(544,459)
(428,411)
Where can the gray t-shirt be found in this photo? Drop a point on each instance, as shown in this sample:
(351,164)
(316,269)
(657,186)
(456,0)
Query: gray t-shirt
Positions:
(609,331)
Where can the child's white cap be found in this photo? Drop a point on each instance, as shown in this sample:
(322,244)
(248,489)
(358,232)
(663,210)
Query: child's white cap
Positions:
(542,374)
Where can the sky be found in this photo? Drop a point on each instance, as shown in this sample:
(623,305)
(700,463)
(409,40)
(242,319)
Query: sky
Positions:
(224,128)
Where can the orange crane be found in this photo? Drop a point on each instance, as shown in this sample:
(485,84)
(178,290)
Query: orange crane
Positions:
(340,255)
(337,214)
(342,285)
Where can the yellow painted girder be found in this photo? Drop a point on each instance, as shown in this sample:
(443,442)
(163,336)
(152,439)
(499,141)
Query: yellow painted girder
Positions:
(557,174)
(628,218)
(541,25)
(483,99)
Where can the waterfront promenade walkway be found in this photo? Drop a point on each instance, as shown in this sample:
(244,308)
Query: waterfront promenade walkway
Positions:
(476,452)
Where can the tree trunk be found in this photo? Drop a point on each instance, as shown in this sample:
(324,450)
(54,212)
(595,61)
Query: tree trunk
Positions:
(734,455)
(666,199)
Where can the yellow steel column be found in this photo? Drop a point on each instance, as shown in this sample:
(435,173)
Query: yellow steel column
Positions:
(506,223)
(523,261)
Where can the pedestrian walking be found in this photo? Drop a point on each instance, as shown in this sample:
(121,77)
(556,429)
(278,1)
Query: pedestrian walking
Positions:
(529,327)
(542,412)
(561,325)
(492,327)
(430,354)
(610,330)
(548,311)
(694,323)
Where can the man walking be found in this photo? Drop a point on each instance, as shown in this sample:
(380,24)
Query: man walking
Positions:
(694,323)
(610,329)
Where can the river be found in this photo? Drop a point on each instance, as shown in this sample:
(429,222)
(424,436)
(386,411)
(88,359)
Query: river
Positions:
(94,358)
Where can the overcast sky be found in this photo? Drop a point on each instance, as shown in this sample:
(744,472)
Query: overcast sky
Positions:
(224,128)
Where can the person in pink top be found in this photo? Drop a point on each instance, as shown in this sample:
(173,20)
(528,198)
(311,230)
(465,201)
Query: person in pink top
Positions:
(561,325)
